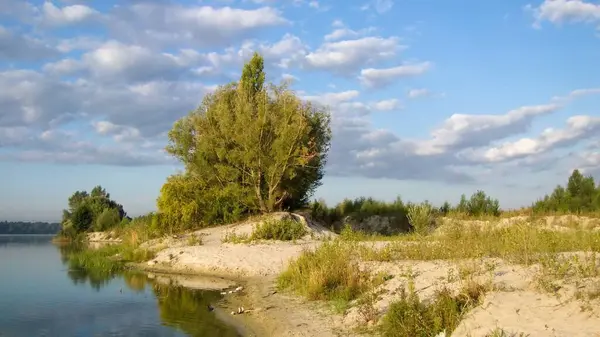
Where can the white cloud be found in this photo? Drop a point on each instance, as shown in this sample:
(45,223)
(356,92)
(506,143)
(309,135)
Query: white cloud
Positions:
(464,131)
(349,55)
(380,6)
(372,77)
(387,105)
(416,93)
(578,128)
(121,133)
(161,24)
(558,11)
(73,14)
(341,32)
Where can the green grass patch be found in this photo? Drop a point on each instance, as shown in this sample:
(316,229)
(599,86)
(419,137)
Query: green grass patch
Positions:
(329,273)
(271,229)
(409,316)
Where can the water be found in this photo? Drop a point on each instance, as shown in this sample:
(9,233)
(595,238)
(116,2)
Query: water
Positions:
(41,296)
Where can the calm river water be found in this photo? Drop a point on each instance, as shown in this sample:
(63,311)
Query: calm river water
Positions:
(41,296)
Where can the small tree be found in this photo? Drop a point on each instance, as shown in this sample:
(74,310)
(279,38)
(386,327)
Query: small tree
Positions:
(252,144)
(93,210)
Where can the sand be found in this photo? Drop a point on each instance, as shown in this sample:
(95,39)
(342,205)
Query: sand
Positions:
(515,304)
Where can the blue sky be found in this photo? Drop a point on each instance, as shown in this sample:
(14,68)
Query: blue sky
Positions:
(429,99)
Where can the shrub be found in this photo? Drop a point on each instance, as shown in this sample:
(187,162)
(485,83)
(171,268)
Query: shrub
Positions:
(330,272)
(411,317)
(421,217)
(109,218)
(283,229)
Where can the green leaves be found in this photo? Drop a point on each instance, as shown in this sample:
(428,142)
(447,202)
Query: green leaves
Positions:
(91,211)
(580,195)
(249,147)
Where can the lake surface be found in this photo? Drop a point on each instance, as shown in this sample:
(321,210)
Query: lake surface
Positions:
(41,296)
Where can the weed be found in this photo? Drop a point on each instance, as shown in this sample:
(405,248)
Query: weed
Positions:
(421,217)
(283,229)
(271,229)
(233,237)
(194,240)
(411,317)
(498,332)
(330,272)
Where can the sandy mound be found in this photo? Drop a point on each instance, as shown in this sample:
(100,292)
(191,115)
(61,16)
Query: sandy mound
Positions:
(246,260)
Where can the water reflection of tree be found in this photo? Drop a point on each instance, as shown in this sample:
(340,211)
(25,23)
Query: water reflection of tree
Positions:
(181,308)
(187,310)
(96,277)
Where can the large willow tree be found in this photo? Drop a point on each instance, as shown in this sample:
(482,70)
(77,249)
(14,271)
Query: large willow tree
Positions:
(250,147)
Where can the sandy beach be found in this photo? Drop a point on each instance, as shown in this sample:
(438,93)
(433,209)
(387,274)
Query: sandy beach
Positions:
(514,302)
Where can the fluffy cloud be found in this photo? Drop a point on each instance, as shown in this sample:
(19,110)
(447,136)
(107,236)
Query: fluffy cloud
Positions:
(341,32)
(165,24)
(558,11)
(416,93)
(67,15)
(466,131)
(347,56)
(372,77)
(387,105)
(578,128)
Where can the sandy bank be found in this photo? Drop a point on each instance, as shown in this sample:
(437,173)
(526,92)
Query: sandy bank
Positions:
(515,303)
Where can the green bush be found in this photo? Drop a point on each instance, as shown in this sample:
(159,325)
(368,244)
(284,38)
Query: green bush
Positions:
(282,229)
(109,218)
(411,317)
(421,217)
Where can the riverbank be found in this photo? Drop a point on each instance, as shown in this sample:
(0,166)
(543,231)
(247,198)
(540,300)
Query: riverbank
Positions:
(255,266)
(533,278)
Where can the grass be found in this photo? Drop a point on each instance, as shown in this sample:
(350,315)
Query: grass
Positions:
(194,240)
(409,316)
(521,243)
(271,229)
(498,332)
(330,273)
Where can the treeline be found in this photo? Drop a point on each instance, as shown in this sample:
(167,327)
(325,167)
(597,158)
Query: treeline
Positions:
(21,227)
(253,147)
(580,195)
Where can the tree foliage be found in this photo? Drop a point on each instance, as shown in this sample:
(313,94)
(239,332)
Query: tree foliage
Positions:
(250,147)
(580,195)
(91,211)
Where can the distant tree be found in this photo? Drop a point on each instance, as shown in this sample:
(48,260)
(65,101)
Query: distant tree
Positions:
(90,211)
(580,195)
(22,227)
(481,204)
(249,147)
(463,204)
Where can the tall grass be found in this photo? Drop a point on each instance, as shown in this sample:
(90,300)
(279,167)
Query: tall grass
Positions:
(410,317)
(331,273)
(522,243)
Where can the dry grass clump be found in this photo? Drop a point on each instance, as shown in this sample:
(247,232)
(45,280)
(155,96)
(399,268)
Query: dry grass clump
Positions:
(522,243)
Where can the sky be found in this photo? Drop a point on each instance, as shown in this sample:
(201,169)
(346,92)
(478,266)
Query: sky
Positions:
(429,99)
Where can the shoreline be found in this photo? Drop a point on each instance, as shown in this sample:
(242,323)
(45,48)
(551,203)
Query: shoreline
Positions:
(267,312)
